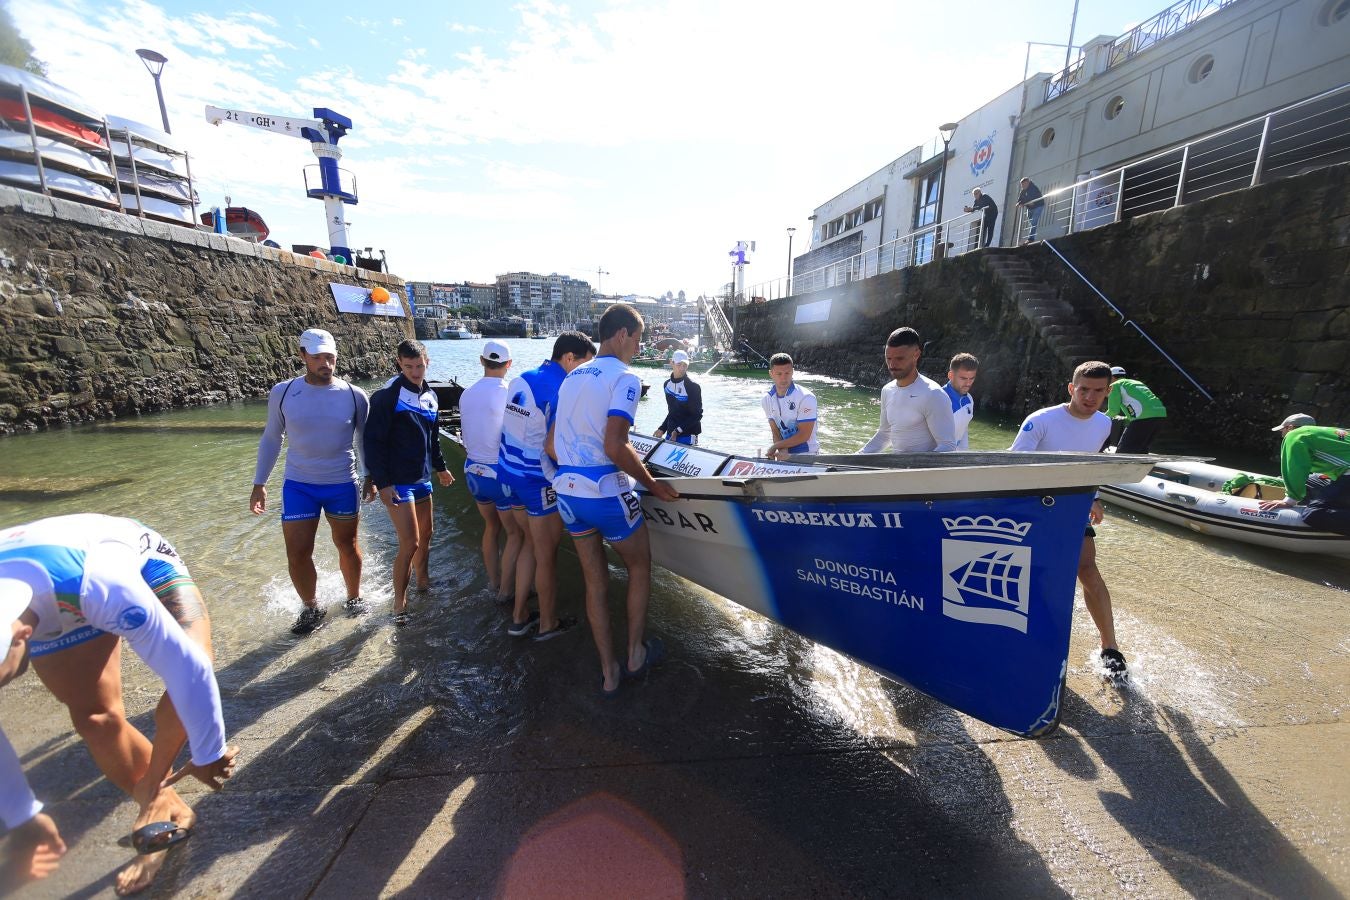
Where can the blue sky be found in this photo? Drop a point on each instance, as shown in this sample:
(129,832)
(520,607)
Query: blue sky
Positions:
(644,138)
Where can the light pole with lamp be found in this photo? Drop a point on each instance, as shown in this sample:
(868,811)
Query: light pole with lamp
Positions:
(947,131)
(791,231)
(154,63)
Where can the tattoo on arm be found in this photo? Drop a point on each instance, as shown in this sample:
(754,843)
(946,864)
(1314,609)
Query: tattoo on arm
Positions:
(185,605)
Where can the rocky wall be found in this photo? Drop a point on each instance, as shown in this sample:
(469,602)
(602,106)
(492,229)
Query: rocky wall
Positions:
(105,315)
(1249,292)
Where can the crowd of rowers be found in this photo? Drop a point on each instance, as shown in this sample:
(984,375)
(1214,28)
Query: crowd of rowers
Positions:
(546,451)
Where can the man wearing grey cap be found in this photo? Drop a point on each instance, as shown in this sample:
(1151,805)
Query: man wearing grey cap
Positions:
(322,418)
(1313,464)
(684,403)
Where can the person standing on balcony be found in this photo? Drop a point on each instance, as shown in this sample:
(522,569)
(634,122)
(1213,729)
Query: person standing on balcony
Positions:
(1030,199)
(984,202)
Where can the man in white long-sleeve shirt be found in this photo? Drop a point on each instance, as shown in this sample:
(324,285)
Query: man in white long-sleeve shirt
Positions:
(916,413)
(71,588)
(322,418)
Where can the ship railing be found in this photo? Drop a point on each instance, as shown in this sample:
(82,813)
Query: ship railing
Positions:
(1299,138)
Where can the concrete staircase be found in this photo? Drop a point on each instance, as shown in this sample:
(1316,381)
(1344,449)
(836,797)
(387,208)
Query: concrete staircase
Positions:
(1055,319)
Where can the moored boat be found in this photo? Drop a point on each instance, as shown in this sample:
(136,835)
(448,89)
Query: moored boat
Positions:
(456,331)
(1192,495)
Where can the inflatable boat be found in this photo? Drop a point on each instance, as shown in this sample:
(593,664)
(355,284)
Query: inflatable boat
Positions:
(1191,494)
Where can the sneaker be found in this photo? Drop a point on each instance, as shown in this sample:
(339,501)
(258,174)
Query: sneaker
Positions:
(311,617)
(356,606)
(520,629)
(1113,661)
(565,624)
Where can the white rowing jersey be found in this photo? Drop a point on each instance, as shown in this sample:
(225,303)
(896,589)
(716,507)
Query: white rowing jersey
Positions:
(791,411)
(963,410)
(86,572)
(1055,428)
(914,418)
(594,392)
(481,407)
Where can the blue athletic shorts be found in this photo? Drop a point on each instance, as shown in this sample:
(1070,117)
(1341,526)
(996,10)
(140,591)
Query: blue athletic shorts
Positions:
(163,570)
(304,501)
(534,495)
(412,493)
(615,518)
(689,439)
(485,487)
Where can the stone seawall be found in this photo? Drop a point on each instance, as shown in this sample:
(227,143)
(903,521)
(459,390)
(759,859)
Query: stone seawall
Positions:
(104,315)
(1250,292)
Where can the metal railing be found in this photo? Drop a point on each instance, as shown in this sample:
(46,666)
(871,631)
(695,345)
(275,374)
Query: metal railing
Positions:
(960,234)
(1173,20)
(1299,138)
(1129,323)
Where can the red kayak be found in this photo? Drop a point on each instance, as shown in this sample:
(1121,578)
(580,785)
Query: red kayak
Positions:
(50,122)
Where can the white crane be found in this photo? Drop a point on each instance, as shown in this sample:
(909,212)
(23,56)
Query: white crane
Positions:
(322,132)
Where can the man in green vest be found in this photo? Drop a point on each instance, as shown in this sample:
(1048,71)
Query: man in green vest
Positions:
(1132,404)
(1313,463)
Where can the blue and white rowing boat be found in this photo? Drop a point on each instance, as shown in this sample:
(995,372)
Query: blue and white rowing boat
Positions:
(951,572)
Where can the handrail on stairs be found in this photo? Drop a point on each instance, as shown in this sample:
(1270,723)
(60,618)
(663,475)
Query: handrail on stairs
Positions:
(1128,322)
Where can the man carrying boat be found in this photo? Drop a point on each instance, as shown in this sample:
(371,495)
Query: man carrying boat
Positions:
(1313,462)
(481,408)
(71,588)
(1131,404)
(596,466)
(961,372)
(1080,425)
(684,403)
(532,399)
(322,418)
(916,413)
(792,412)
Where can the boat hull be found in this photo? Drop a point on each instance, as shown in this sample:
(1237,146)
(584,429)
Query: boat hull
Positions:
(1201,507)
(957,582)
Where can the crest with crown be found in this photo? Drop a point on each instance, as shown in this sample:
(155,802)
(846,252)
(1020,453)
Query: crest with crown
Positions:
(986,527)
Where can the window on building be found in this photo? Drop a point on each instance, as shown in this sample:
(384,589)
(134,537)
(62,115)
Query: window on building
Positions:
(1201,68)
(926,200)
(1114,107)
(872,210)
(1047,137)
(1334,11)
(854,219)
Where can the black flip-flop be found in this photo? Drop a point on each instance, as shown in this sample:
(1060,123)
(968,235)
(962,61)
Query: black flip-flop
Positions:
(158,836)
(656,651)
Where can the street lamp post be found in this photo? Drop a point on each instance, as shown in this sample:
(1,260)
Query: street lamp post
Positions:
(154,63)
(947,131)
(791,231)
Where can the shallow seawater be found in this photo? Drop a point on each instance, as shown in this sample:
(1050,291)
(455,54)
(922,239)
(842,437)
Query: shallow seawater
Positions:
(188,474)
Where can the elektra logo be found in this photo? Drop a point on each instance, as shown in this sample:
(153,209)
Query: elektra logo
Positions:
(983,582)
(680,462)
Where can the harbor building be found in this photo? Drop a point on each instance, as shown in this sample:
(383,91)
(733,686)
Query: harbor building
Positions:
(533,294)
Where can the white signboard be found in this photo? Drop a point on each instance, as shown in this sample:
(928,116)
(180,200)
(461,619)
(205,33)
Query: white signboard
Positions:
(353,299)
(756,468)
(642,444)
(808,313)
(686,460)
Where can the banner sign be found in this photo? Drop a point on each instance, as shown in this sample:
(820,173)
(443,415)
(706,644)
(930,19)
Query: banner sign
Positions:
(808,313)
(353,299)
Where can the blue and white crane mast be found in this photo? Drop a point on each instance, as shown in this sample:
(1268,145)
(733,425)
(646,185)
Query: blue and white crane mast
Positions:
(322,132)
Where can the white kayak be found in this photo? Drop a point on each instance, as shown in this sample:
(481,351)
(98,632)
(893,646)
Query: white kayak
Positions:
(1191,494)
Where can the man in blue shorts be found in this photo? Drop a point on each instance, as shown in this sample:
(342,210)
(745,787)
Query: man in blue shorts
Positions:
(402,449)
(589,439)
(322,418)
(684,403)
(791,410)
(71,588)
(481,407)
(531,404)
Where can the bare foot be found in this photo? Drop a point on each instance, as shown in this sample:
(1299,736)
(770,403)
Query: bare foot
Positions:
(167,806)
(35,851)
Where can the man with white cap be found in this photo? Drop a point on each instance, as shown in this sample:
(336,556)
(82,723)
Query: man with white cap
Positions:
(684,403)
(71,588)
(1136,409)
(322,418)
(1313,464)
(481,408)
